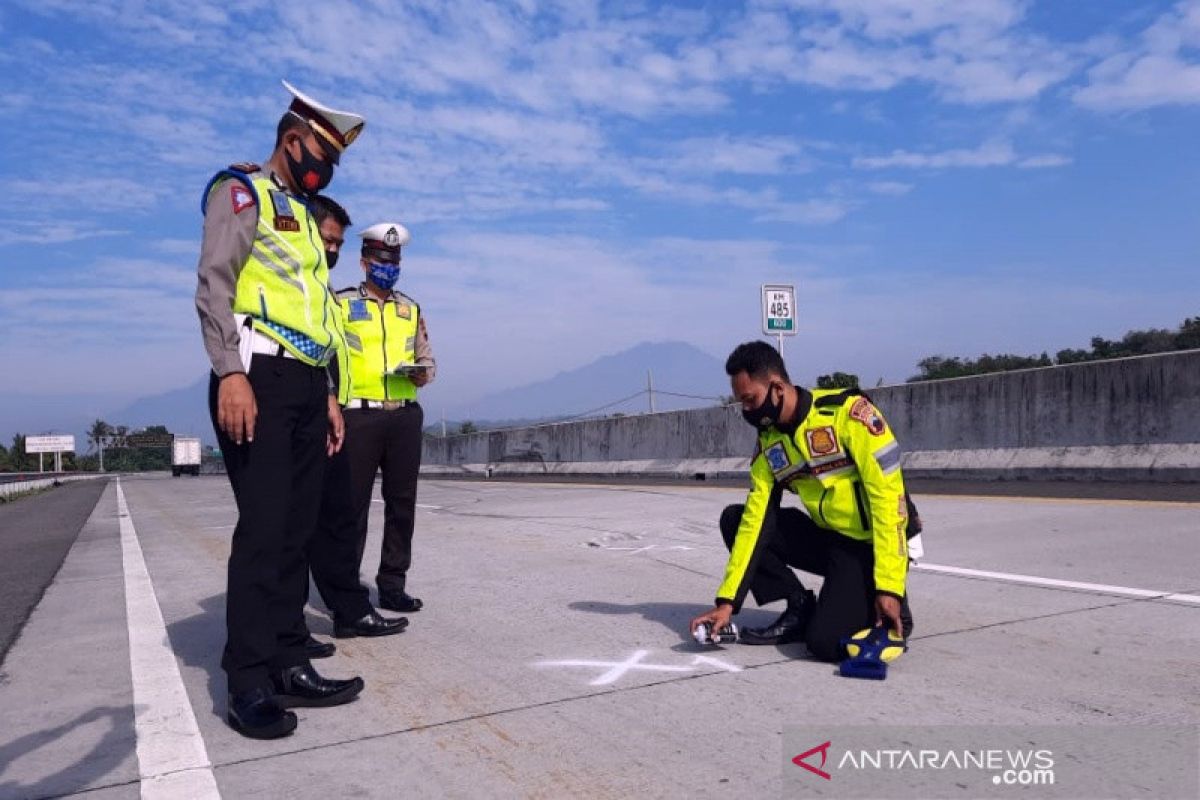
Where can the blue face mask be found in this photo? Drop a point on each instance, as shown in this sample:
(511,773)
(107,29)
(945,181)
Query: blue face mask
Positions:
(383,275)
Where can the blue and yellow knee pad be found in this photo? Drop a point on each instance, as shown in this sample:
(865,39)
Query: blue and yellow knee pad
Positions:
(870,651)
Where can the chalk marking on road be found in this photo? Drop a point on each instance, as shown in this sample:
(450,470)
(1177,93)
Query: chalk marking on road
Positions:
(710,661)
(615,670)
(172,759)
(633,551)
(1055,583)
(419,505)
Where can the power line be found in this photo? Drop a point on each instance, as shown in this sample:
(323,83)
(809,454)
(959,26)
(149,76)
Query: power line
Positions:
(688,396)
(603,407)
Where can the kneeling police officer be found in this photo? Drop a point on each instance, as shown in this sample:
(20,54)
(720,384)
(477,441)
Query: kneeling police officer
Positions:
(833,449)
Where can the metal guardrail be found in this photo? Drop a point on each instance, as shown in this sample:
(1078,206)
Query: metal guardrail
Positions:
(16,487)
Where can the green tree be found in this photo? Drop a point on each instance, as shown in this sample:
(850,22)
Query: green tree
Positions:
(838,380)
(96,433)
(18,458)
(467,427)
(1188,337)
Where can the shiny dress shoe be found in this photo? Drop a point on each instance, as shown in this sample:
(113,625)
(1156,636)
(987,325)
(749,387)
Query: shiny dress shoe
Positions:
(317,649)
(258,715)
(399,601)
(789,627)
(301,686)
(373,624)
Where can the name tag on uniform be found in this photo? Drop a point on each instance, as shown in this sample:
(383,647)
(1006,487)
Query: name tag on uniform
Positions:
(403,311)
(777,457)
(285,220)
(358,311)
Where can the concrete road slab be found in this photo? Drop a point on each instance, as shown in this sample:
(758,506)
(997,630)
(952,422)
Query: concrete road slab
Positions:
(552,657)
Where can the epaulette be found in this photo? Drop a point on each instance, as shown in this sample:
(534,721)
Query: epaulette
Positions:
(248,167)
(347,293)
(838,399)
(397,295)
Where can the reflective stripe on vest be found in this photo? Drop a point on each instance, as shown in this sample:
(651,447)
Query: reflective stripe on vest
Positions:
(379,338)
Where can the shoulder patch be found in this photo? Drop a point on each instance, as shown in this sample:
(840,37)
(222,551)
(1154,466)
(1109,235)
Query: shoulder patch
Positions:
(240,196)
(864,412)
(403,309)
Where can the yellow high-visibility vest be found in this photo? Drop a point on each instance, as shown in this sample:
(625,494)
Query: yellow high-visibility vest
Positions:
(379,338)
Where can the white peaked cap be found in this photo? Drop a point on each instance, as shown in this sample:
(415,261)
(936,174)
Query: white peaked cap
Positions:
(336,129)
(385,240)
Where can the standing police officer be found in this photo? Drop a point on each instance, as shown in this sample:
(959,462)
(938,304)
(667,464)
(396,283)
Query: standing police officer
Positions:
(333,554)
(269,325)
(390,358)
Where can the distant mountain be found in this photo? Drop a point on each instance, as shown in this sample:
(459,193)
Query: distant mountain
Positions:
(677,368)
(184,411)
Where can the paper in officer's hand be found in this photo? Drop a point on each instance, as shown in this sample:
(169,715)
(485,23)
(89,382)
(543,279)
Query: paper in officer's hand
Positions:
(409,370)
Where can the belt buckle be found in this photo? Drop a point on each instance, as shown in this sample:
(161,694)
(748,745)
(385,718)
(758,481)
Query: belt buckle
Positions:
(392,405)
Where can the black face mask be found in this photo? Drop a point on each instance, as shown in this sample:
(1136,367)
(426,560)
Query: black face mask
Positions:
(309,174)
(766,414)
(331,257)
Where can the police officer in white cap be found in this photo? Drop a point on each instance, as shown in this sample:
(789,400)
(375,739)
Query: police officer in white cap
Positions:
(390,358)
(268,320)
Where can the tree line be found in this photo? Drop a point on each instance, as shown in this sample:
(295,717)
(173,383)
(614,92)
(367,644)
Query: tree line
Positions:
(1134,343)
(119,454)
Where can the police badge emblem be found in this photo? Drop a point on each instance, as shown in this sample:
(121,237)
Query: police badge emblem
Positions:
(777,457)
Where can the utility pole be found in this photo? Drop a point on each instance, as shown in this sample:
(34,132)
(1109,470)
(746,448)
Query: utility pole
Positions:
(41,468)
(650,388)
(779,347)
(443,422)
(100,441)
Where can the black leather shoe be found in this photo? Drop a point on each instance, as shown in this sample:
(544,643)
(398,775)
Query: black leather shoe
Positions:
(399,601)
(258,715)
(372,624)
(788,628)
(316,649)
(297,687)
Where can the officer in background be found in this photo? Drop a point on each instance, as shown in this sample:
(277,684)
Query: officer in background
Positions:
(833,449)
(390,358)
(269,324)
(333,553)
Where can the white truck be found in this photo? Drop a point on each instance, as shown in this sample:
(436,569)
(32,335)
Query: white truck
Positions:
(185,456)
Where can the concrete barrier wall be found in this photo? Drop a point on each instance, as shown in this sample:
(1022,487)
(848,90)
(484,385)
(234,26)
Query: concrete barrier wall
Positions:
(1133,418)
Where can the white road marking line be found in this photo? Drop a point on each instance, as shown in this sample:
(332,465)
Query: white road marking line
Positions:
(172,759)
(1055,583)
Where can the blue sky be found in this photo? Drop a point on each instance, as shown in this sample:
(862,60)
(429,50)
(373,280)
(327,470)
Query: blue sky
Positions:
(936,176)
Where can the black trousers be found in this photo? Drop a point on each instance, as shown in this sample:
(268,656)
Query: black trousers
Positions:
(333,554)
(276,481)
(387,441)
(846,603)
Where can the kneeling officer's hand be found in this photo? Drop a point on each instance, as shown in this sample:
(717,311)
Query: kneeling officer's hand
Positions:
(716,618)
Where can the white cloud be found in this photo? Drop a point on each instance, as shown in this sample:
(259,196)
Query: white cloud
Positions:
(1163,68)
(890,188)
(992,153)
